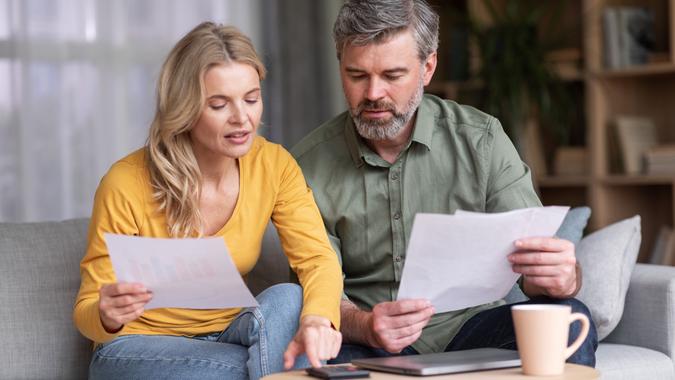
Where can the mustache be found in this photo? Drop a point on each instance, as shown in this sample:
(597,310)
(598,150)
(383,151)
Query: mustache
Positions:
(376,105)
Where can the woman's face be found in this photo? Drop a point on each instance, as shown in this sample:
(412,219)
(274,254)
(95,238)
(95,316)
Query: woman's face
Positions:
(231,114)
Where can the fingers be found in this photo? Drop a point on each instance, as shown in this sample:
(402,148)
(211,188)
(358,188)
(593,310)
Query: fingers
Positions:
(337,344)
(382,322)
(125,300)
(115,313)
(543,258)
(317,339)
(131,309)
(546,244)
(114,319)
(131,315)
(120,295)
(312,349)
(121,288)
(394,340)
(121,303)
(402,306)
(393,332)
(398,345)
(294,349)
(407,331)
(541,270)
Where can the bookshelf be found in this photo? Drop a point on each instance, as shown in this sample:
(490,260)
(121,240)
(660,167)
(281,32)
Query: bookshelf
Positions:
(640,90)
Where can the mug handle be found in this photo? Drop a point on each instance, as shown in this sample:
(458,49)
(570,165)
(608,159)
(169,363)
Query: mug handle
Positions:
(585,325)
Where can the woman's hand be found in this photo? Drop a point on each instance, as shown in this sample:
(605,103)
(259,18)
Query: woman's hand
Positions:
(121,303)
(316,338)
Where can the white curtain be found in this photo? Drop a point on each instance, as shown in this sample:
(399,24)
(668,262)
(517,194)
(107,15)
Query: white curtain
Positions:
(77,91)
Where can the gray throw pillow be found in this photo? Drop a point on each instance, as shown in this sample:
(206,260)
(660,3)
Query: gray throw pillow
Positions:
(607,259)
(572,229)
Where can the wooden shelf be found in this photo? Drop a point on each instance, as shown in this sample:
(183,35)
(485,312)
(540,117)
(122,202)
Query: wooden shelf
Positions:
(638,71)
(600,96)
(562,181)
(637,180)
(576,76)
(452,87)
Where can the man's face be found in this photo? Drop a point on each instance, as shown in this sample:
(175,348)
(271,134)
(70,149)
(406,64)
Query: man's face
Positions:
(384,83)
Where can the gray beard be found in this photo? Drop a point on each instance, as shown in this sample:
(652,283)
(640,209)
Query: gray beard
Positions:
(385,129)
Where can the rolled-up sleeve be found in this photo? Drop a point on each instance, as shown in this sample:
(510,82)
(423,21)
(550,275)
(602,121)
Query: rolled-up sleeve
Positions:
(509,179)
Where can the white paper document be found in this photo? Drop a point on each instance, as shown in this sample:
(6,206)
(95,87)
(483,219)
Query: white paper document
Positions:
(183,273)
(458,261)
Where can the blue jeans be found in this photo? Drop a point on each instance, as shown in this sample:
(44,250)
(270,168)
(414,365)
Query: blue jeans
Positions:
(252,346)
(493,328)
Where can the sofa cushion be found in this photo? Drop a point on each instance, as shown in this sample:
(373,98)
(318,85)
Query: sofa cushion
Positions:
(572,229)
(272,266)
(39,278)
(648,318)
(608,257)
(621,362)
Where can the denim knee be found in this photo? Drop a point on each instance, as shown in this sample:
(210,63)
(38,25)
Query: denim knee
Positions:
(284,299)
(575,329)
(586,353)
(577,307)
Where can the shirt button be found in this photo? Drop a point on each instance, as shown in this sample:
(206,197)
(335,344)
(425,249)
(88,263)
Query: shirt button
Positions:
(397,216)
(394,176)
(398,259)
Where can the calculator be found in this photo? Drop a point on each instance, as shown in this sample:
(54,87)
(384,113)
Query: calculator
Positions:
(338,372)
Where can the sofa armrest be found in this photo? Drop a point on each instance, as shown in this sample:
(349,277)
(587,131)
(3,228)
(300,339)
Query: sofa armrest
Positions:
(649,313)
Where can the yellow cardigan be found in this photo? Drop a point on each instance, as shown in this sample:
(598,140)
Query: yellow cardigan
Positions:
(271,185)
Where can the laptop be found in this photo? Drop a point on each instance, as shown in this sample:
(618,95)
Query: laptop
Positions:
(479,359)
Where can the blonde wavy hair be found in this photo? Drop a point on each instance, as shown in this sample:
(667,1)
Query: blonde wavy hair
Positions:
(174,174)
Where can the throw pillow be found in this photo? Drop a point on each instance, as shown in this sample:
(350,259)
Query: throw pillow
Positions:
(572,229)
(607,259)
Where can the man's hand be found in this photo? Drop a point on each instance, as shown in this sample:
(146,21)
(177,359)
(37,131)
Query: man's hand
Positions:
(316,338)
(393,326)
(548,266)
(121,303)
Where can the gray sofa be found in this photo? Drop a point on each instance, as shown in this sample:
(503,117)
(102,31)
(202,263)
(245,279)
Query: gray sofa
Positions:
(39,278)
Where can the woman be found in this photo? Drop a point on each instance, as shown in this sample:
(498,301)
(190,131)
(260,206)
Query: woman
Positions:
(204,172)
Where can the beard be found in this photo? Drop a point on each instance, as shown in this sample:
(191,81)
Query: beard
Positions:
(384,129)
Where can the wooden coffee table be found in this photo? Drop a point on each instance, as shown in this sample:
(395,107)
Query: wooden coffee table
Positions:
(572,372)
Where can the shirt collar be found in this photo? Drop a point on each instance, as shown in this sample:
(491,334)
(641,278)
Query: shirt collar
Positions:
(424,123)
(353,142)
(422,132)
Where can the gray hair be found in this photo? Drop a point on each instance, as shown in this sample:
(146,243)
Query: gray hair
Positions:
(361,22)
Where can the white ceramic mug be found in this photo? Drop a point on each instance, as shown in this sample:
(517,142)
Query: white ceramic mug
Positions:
(541,335)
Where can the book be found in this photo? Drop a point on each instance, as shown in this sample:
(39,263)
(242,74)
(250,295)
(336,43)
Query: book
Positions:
(628,36)
(635,136)
(660,159)
(663,246)
(612,48)
(637,36)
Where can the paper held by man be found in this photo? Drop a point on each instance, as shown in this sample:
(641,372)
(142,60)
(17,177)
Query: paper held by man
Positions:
(181,273)
(459,261)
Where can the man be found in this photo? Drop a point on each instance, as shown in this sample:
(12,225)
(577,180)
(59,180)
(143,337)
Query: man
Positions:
(397,152)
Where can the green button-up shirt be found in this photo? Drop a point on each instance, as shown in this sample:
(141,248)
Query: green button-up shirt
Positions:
(457,158)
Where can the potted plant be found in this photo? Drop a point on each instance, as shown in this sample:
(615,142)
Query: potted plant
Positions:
(520,86)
